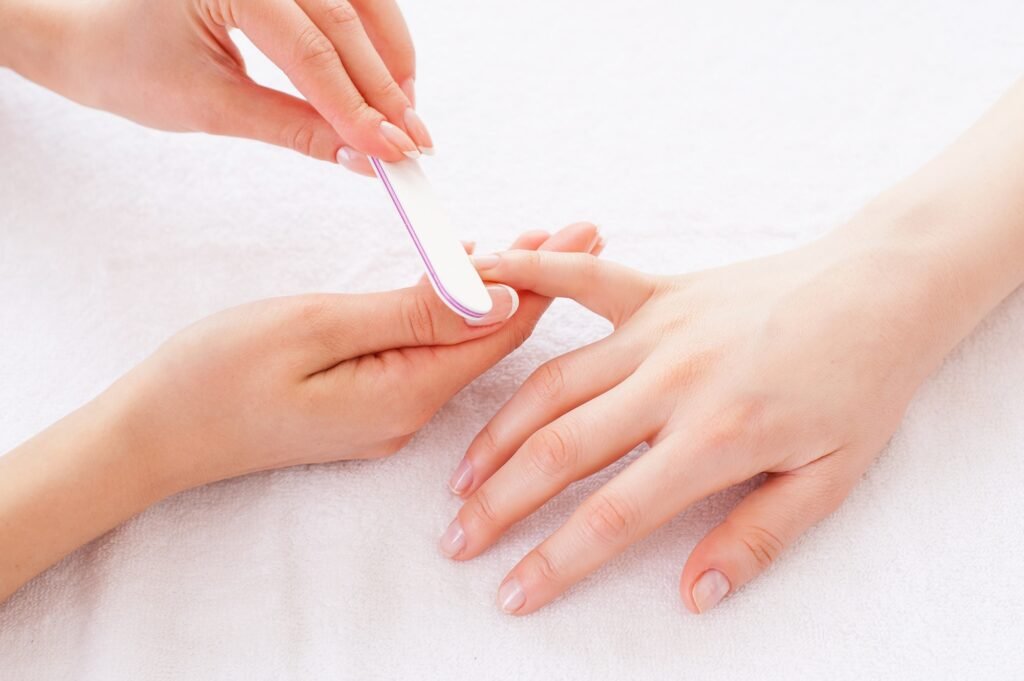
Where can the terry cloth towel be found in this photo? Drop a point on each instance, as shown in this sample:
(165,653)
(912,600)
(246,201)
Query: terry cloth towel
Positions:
(695,134)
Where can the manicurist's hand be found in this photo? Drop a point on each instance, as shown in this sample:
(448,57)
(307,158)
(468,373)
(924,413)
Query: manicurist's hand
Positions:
(172,65)
(798,366)
(280,382)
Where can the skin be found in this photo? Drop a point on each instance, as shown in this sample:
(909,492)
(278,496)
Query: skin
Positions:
(171,65)
(276,383)
(797,366)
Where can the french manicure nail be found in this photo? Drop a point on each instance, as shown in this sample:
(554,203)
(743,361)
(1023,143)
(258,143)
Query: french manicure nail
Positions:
(397,136)
(453,540)
(409,88)
(462,478)
(485,262)
(418,130)
(355,161)
(504,303)
(710,589)
(511,596)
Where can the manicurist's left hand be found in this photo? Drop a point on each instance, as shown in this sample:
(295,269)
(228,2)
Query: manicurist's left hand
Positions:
(299,380)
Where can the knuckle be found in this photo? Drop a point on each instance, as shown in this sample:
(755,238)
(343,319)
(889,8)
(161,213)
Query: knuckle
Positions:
(548,381)
(313,48)
(763,545)
(387,89)
(531,262)
(341,13)
(301,138)
(486,443)
(481,509)
(553,452)
(609,519)
(516,334)
(545,566)
(312,314)
(733,424)
(419,319)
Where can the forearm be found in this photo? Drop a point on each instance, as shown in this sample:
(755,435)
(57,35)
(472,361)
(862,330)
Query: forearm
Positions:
(959,219)
(71,483)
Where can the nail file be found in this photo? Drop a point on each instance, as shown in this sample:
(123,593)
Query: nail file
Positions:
(448,266)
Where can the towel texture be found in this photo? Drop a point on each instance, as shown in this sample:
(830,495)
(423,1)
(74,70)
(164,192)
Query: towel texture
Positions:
(694,134)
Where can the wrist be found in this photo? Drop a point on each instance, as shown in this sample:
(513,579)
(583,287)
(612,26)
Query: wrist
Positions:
(76,480)
(930,262)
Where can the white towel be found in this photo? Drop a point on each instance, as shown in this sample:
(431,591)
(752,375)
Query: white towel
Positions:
(695,135)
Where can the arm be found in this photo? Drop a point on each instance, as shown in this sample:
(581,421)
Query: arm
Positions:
(796,366)
(281,382)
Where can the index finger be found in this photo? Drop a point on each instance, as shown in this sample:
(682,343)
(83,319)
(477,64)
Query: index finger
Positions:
(607,288)
(289,38)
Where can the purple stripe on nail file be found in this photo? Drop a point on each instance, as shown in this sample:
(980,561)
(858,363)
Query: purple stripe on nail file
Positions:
(450,270)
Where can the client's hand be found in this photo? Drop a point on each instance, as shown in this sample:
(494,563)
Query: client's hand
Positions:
(798,366)
(172,65)
(280,382)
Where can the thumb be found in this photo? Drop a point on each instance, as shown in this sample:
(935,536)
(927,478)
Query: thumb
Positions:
(753,535)
(246,109)
(363,324)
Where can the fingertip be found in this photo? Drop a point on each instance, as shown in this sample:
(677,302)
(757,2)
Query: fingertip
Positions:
(355,161)
(707,591)
(504,303)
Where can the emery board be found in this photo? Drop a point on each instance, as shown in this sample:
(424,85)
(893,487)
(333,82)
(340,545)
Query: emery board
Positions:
(449,268)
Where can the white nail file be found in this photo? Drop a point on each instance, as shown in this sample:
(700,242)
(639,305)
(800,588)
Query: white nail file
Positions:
(448,266)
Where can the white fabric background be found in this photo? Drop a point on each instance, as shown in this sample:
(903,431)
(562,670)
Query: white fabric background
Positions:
(695,134)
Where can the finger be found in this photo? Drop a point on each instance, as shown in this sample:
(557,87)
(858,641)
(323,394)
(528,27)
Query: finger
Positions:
(389,33)
(760,527)
(609,289)
(470,360)
(245,109)
(554,388)
(348,326)
(343,26)
(655,487)
(572,447)
(286,34)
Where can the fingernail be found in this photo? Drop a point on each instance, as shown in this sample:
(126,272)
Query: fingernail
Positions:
(504,303)
(462,478)
(354,161)
(416,127)
(397,136)
(710,589)
(511,596)
(453,540)
(593,242)
(485,262)
(409,88)
(599,246)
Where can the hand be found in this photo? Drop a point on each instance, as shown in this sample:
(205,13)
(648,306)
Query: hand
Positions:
(320,378)
(798,366)
(172,65)
(280,382)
